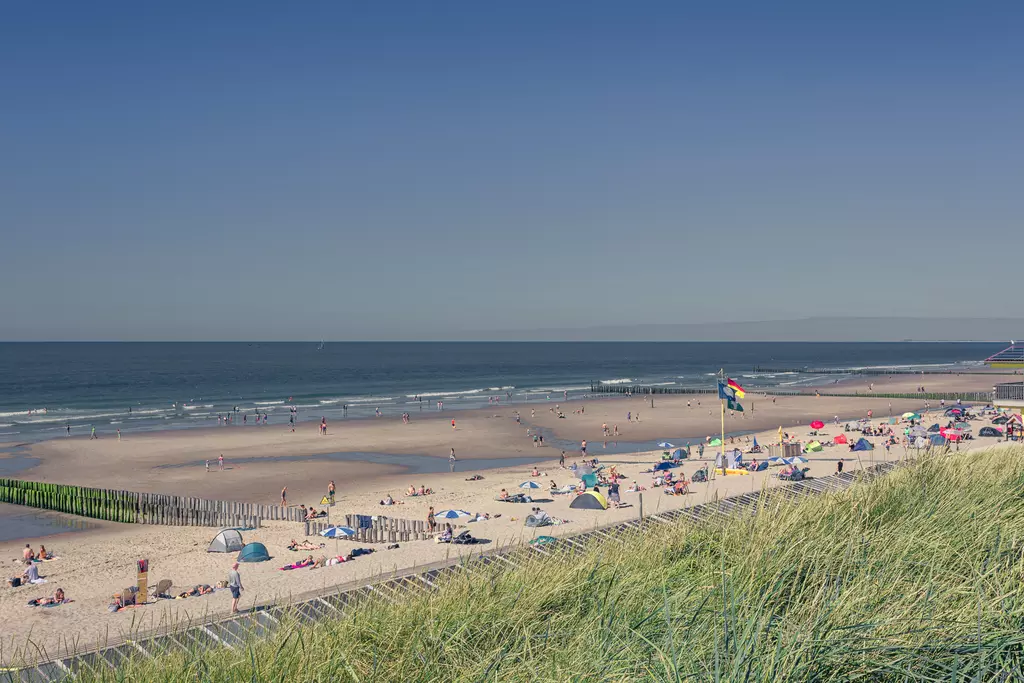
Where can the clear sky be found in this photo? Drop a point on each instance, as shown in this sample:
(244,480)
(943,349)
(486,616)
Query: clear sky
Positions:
(385,170)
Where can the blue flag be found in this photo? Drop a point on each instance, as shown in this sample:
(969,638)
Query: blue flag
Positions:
(726,392)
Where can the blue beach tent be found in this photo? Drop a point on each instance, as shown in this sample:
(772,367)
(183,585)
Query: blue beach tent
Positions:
(253,552)
(863,445)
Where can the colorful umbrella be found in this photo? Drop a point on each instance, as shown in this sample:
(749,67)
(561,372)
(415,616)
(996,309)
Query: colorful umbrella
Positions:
(817,424)
(529,485)
(338,532)
(666,444)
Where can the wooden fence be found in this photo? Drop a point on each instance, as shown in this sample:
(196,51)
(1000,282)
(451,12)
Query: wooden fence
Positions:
(377,529)
(141,508)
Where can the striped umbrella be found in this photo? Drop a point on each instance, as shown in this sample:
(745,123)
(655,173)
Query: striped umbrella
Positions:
(338,532)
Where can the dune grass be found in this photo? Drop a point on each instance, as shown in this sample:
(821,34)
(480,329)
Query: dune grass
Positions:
(914,576)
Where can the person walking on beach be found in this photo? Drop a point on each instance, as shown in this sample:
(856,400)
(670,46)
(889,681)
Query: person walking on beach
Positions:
(119,434)
(331,491)
(453,423)
(561,460)
(207,465)
(451,461)
(431,522)
(220,462)
(583,447)
(69,428)
(284,496)
(235,584)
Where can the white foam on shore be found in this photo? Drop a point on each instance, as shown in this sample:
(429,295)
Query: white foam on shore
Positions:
(624,380)
(19,413)
(435,394)
(381,399)
(555,390)
(262,403)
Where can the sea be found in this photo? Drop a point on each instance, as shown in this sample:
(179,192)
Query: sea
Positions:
(45,388)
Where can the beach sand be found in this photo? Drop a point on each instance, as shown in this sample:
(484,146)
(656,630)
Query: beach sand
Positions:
(96,564)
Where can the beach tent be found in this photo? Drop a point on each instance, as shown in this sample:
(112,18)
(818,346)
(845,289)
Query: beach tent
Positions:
(589,480)
(954,411)
(863,445)
(938,440)
(813,447)
(227,541)
(539,518)
(591,500)
(1000,420)
(934,429)
(917,431)
(989,431)
(840,438)
(680,454)
(662,466)
(715,442)
(253,552)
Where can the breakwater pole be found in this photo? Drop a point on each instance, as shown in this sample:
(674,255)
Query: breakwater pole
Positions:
(378,529)
(132,507)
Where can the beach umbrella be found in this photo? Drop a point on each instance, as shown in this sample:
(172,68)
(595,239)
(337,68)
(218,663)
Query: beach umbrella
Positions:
(797,460)
(451,514)
(529,485)
(338,532)
(776,461)
(840,438)
(918,431)
(666,444)
(817,424)
(961,425)
(909,416)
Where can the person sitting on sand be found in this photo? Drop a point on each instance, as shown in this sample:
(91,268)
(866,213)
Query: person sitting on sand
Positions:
(43,555)
(422,491)
(411,491)
(553,486)
(535,472)
(446,535)
(31,574)
(388,500)
(503,495)
(27,553)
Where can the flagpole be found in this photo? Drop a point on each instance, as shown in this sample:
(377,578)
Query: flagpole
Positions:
(722,401)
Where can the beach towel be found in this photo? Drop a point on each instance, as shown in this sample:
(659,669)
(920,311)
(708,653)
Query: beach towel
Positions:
(35,603)
(296,565)
(364,521)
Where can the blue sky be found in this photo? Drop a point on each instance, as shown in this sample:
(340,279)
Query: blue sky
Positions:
(432,170)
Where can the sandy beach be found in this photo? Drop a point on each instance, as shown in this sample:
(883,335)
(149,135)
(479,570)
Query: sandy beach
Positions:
(93,565)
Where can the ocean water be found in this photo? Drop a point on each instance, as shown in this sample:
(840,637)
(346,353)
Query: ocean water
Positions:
(45,387)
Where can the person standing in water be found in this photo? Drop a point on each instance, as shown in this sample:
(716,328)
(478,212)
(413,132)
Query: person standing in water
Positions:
(451,461)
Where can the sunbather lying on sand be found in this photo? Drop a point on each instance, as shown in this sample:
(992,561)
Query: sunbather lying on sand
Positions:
(305,545)
(299,565)
(57,599)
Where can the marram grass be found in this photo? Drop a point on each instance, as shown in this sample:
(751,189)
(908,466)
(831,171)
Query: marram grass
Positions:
(914,576)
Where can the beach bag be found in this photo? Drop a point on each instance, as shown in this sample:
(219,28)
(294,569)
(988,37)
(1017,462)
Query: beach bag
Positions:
(14,581)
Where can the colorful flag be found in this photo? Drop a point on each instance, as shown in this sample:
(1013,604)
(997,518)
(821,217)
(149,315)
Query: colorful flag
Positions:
(734,385)
(725,392)
(735,405)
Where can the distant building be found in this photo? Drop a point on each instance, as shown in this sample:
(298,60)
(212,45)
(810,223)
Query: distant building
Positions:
(1009,395)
